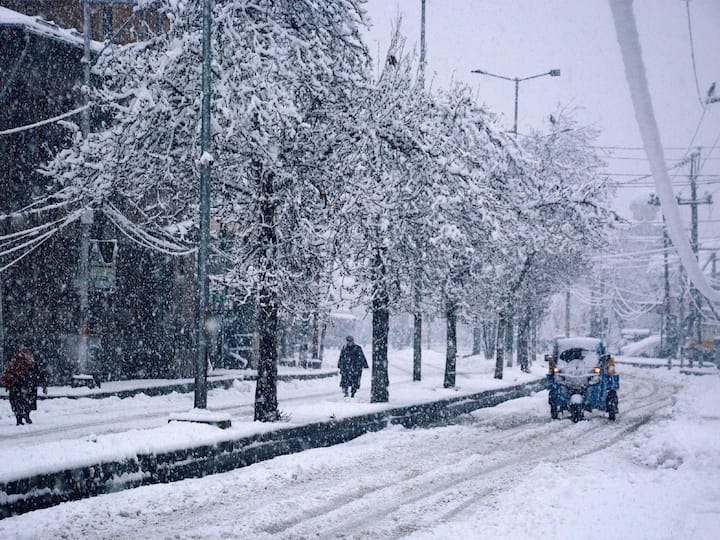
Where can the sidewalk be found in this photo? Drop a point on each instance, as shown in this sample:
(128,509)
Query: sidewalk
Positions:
(219,378)
(51,470)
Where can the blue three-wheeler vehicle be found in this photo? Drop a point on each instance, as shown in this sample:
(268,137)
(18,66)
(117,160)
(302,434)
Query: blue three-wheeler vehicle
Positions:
(581,377)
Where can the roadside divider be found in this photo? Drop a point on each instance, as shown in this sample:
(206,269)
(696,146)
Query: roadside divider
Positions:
(44,490)
(180,388)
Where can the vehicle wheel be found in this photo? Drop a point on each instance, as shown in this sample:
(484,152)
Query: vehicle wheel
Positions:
(611,405)
(553,411)
(576,412)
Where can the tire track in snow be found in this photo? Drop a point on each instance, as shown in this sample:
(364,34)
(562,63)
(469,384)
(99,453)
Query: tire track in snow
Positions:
(466,474)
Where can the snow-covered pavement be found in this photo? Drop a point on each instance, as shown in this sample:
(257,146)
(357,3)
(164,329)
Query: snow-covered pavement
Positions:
(504,472)
(76,432)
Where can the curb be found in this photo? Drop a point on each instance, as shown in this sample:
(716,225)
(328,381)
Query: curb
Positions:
(183,388)
(49,489)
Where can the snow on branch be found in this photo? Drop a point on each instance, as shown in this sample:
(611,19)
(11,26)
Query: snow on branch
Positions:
(28,127)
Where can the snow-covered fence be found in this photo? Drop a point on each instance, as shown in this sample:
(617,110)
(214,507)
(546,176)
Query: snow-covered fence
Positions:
(45,490)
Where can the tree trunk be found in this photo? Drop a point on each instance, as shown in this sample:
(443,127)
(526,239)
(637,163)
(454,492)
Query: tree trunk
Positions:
(283,340)
(417,334)
(499,346)
(323,328)
(489,331)
(428,327)
(477,340)
(266,405)
(380,329)
(522,341)
(315,347)
(533,338)
(451,350)
(509,336)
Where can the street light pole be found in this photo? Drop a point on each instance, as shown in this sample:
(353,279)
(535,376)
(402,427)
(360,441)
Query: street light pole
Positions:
(86,222)
(85,119)
(517,91)
(517,81)
(201,361)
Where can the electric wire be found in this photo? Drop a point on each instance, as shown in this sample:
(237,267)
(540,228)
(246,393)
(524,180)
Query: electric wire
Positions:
(27,127)
(692,53)
(32,245)
(141,237)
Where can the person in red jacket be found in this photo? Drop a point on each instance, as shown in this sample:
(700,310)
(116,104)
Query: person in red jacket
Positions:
(21,377)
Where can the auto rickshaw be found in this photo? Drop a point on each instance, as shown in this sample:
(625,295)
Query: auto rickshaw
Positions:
(581,377)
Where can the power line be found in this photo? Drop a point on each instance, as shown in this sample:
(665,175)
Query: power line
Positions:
(650,185)
(635,158)
(641,176)
(637,148)
(692,53)
(712,149)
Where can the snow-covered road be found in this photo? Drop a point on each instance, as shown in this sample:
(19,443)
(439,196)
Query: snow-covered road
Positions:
(504,472)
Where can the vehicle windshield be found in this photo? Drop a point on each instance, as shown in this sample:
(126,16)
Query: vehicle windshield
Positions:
(576,354)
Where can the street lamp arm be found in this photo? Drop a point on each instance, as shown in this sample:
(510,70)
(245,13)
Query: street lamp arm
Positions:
(492,74)
(552,73)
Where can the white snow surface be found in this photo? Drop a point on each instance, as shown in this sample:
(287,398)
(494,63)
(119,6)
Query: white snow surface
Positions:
(642,347)
(502,472)
(39,26)
(577,343)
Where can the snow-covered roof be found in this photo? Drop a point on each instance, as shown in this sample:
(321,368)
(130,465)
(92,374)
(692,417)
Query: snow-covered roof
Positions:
(41,27)
(588,343)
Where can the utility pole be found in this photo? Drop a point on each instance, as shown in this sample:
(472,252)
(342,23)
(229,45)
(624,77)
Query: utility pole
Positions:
(203,249)
(85,120)
(417,316)
(668,337)
(2,323)
(665,341)
(567,313)
(423,51)
(693,202)
(86,221)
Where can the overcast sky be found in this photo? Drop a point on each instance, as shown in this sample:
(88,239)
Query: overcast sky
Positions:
(521,38)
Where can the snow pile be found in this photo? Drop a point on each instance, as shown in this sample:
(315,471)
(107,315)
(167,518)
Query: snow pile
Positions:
(647,347)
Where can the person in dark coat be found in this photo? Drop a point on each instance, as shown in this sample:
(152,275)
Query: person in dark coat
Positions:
(21,377)
(351,363)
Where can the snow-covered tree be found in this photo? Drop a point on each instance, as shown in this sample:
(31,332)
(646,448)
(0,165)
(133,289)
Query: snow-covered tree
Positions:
(384,203)
(471,203)
(283,71)
(566,213)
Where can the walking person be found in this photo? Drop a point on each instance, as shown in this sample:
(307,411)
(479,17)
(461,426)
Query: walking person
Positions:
(21,377)
(351,363)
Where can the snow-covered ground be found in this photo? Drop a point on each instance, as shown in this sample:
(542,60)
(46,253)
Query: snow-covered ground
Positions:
(75,432)
(504,472)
